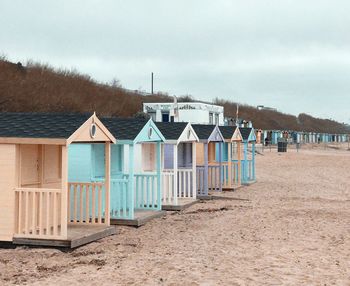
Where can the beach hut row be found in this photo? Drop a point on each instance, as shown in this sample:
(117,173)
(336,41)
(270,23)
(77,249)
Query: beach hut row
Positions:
(66,178)
(272,137)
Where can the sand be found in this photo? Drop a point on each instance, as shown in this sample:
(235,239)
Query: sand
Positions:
(292,227)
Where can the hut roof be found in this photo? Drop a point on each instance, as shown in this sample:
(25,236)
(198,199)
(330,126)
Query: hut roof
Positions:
(227,131)
(203,131)
(124,128)
(245,132)
(171,130)
(40,125)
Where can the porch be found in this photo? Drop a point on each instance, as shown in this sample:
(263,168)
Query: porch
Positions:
(50,217)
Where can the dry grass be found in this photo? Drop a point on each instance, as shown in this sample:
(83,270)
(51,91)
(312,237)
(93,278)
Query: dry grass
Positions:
(38,87)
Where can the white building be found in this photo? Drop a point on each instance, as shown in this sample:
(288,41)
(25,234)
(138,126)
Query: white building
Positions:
(194,112)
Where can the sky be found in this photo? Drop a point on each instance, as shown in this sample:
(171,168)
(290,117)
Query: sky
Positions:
(293,55)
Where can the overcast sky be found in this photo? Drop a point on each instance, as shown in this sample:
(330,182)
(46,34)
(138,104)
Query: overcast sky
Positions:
(293,55)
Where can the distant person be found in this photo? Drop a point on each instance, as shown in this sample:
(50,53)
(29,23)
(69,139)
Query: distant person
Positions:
(266,141)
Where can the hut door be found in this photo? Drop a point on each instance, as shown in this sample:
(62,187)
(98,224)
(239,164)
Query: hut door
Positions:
(30,165)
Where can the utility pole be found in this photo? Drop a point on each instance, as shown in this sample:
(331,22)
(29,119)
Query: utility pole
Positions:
(152,83)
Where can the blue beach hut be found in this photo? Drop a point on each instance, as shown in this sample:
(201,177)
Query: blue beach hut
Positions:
(248,162)
(135,170)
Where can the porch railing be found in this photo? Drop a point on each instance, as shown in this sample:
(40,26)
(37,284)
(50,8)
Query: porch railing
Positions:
(146,192)
(213,177)
(86,203)
(248,172)
(234,174)
(38,213)
(121,204)
(169,195)
(184,189)
(184,183)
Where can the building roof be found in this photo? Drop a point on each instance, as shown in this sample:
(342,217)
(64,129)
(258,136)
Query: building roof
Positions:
(227,131)
(40,125)
(245,132)
(124,128)
(203,131)
(171,130)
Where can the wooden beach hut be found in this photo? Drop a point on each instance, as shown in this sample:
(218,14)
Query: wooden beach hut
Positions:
(135,170)
(248,162)
(34,186)
(231,157)
(178,165)
(209,172)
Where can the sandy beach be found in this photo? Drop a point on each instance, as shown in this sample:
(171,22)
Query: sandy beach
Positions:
(292,227)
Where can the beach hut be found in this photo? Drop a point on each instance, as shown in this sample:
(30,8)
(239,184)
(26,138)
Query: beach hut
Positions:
(231,157)
(178,165)
(135,170)
(209,178)
(34,186)
(248,162)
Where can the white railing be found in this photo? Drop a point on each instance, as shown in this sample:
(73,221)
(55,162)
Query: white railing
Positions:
(38,213)
(86,203)
(184,183)
(169,194)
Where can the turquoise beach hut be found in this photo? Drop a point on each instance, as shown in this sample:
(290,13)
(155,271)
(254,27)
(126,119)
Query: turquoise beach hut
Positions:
(248,162)
(135,169)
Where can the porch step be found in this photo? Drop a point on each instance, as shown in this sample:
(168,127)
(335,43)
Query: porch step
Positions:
(77,236)
(182,204)
(141,217)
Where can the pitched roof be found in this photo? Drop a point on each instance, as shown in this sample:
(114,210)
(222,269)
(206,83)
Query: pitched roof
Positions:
(40,125)
(227,131)
(203,131)
(171,130)
(124,128)
(245,132)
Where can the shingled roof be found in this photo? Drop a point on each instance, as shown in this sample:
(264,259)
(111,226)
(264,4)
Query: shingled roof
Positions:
(203,131)
(171,130)
(40,125)
(227,131)
(245,132)
(124,128)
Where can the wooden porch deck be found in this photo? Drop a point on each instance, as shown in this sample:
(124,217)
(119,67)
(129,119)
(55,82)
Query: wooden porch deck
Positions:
(182,203)
(141,217)
(77,235)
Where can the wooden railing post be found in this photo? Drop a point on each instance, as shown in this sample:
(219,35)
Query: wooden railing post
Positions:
(175,190)
(159,177)
(206,169)
(107,181)
(239,163)
(229,164)
(220,167)
(64,188)
(194,174)
(130,191)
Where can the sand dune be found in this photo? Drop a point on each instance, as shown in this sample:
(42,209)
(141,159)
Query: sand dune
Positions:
(290,228)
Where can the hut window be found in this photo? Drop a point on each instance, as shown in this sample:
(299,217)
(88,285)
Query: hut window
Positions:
(211,120)
(148,156)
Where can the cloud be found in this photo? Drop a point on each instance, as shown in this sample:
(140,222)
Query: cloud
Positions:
(293,55)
